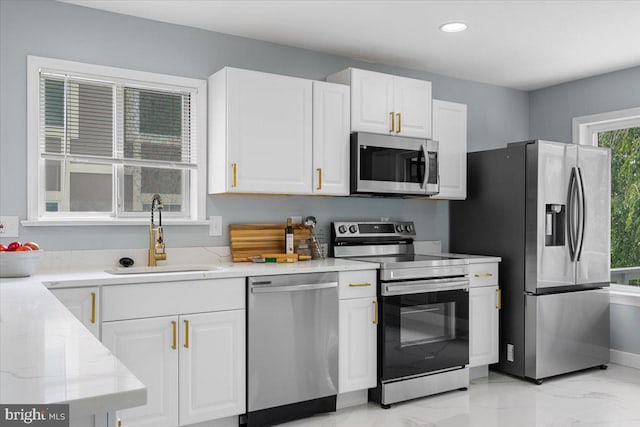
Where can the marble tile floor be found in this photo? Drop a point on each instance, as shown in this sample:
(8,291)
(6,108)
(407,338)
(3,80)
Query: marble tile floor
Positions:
(588,398)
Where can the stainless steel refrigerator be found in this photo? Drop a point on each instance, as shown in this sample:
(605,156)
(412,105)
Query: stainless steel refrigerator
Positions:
(544,207)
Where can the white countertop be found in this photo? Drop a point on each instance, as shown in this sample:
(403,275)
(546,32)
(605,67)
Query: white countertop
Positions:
(48,356)
(219,271)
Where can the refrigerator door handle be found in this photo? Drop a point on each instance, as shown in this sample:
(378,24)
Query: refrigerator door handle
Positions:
(582,217)
(570,215)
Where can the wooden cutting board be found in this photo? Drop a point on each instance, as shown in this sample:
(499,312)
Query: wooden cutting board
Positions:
(249,240)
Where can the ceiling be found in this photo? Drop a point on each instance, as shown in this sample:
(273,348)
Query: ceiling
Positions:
(519,44)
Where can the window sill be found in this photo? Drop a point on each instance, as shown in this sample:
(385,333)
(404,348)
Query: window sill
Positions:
(101,221)
(624,295)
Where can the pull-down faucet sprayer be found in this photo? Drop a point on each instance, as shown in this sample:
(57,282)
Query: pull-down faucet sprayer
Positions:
(156,238)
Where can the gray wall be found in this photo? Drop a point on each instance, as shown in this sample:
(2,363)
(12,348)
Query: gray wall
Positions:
(496,115)
(552,109)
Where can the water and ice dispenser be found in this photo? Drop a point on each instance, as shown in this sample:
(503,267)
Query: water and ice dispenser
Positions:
(554,225)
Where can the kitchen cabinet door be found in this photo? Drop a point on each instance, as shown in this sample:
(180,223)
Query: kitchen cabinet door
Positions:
(331,132)
(483,325)
(212,366)
(149,348)
(371,101)
(83,303)
(412,107)
(357,344)
(450,130)
(260,133)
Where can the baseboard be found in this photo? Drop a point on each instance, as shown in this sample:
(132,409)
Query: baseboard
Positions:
(353,398)
(623,358)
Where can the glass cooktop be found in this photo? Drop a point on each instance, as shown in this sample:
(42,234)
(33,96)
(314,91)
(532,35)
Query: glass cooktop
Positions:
(414,260)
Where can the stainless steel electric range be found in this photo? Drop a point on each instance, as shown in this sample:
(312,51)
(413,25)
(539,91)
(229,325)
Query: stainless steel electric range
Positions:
(423,334)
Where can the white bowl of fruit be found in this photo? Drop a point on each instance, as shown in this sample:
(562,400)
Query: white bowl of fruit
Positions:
(19,260)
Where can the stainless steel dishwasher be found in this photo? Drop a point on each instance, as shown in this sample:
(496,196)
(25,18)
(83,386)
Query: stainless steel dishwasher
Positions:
(292,363)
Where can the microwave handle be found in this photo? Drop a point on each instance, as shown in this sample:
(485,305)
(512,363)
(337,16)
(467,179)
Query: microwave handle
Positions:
(426,166)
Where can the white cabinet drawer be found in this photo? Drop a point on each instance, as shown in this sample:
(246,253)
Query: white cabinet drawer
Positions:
(357,284)
(171,298)
(485,274)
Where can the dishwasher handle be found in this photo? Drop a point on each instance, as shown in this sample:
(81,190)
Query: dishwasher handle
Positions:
(265,288)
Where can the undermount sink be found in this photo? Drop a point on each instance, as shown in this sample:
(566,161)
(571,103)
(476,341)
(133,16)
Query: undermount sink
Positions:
(161,269)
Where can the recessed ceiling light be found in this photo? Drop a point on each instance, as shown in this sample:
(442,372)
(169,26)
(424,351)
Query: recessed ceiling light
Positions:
(453,27)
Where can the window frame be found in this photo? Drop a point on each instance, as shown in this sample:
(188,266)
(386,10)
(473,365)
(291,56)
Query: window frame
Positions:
(196,197)
(585,132)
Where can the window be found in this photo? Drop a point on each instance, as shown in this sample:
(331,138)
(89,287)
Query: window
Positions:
(103,141)
(620,131)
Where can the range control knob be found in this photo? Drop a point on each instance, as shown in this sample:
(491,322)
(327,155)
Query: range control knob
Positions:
(342,229)
(399,228)
(353,228)
(409,228)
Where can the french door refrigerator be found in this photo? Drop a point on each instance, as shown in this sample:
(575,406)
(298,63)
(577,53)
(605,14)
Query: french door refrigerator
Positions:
(544,207)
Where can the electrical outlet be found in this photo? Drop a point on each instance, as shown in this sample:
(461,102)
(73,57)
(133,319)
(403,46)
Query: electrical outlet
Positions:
(9,226)
(215,226)
(296,219)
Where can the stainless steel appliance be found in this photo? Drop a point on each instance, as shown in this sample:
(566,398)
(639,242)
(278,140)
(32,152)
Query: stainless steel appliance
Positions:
(292,363)
(394,165)
(423,332)
(544,207)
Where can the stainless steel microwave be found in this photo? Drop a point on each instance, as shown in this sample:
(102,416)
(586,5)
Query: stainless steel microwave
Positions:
(394,165)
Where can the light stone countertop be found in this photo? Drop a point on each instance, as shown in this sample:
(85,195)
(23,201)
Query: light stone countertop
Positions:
(48,356)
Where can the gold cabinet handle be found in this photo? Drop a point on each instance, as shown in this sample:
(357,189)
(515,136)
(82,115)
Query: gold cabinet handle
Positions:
(174,325)
(234,166)
(393,123)
(119,422)
(483,275)
(319,179)
(499,299)
(93,307)
(375,312)
(359,285)
(186,334)
(399,123)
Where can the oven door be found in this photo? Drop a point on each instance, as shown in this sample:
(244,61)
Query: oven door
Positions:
(393,165)
(424,332)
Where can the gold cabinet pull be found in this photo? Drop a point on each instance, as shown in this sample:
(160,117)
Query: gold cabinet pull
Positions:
(174,325)
(499,299)
(93,307)
(234,166)
(319,179)
(359,285)
(186,334)
(119,422)
(375,312)
(399,123)
(393,123)
(483,275)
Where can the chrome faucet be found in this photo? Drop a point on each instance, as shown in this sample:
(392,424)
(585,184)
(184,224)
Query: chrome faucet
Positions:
(156,238)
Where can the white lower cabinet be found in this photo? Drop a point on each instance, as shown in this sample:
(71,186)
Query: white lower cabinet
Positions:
(83,303)
(484,304)
(212,367)
(192,360)
(148,349)
(358,331)
(357,344)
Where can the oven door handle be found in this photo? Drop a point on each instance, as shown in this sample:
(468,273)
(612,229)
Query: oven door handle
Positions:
(424,286)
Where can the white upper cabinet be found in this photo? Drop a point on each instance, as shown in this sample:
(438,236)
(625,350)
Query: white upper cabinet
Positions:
(331,129)
(260,133)
(387,104)
(450,130)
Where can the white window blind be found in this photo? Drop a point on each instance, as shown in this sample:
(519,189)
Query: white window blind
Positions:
(107,145)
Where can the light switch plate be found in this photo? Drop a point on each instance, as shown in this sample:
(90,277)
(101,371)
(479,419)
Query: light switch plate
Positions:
(215,226)
(9,226)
